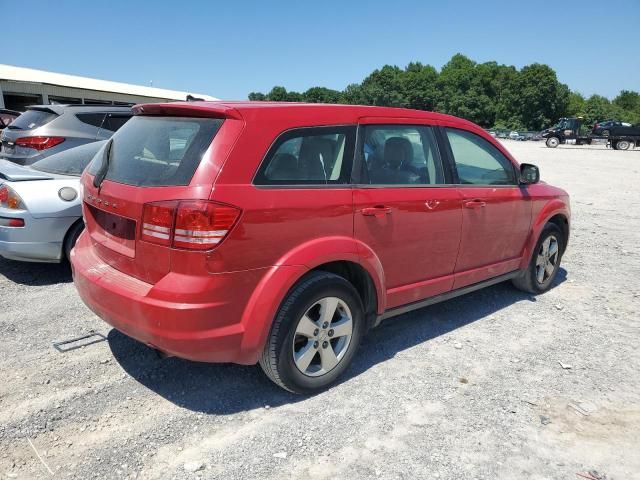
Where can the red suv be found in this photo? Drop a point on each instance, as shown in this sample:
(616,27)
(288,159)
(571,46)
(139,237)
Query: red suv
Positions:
(280,233)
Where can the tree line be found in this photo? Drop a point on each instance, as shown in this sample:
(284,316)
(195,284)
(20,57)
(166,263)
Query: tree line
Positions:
(489,94)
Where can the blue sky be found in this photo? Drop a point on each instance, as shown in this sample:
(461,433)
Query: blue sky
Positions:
(227,49)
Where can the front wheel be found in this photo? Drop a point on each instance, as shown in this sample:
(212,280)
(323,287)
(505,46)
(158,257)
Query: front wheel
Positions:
(315,334)
(545,262)
(553,142)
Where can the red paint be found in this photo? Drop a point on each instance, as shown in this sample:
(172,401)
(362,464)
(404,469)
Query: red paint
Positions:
(218,305)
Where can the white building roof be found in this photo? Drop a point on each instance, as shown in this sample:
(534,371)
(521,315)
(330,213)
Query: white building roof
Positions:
(20,74)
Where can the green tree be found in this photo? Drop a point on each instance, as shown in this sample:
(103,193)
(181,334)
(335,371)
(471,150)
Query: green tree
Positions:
(419,88)
(384,87)
(576,105)
(322,95)
(543,99)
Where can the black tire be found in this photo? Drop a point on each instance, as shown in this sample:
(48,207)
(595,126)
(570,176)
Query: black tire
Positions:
(623,145)
(552,142)
(72,237)
(528,281)
(277,358)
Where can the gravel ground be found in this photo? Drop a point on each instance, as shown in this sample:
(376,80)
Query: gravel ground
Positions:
(496,384)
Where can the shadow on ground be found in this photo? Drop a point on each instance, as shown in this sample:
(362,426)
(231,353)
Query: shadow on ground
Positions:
(226,389)
(35,274)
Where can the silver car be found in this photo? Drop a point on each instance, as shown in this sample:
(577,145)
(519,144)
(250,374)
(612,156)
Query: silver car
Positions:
(41,205)
(45,130)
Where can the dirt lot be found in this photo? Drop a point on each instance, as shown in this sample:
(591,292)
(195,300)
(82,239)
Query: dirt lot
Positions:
(497,384)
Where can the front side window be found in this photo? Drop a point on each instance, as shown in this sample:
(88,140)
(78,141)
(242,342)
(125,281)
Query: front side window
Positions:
(477,161)
(157,151)
(400,155)
(309,156)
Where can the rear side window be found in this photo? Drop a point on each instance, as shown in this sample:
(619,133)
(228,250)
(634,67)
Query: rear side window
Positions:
(32,119)
(400,155)
(309,156)
(93,119)
(158,151)
(477,161)
(114,122)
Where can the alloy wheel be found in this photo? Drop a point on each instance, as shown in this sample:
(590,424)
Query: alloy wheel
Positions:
(322,336)
(547,259)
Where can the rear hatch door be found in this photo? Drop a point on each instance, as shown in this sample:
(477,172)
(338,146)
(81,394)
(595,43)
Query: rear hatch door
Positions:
(155,158)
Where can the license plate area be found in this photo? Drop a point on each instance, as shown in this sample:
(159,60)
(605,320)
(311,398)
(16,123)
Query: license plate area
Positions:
(113,231)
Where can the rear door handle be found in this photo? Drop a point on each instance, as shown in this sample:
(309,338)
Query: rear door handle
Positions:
(475,203)
(377,211)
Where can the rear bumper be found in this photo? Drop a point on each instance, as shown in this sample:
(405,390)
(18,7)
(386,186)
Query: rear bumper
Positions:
(197,318)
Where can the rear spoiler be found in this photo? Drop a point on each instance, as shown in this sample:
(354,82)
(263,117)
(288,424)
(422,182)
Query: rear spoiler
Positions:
(188,109)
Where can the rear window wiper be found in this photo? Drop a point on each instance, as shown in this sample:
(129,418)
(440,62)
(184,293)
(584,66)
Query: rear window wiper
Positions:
(104,168)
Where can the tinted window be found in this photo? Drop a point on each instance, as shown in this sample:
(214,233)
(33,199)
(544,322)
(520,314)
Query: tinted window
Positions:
(114,122)
(309,156)
(32,119)
(70,162)
(93,119)
(6,118)
(400,155)
(157,151)
(477,161)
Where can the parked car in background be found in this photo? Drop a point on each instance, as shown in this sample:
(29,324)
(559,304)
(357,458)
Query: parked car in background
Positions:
(44,130)
(40,205)
(6,117)
(280,233)
(604,128)
(513,135)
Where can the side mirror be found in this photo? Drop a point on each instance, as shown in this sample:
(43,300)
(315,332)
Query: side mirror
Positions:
(529,174)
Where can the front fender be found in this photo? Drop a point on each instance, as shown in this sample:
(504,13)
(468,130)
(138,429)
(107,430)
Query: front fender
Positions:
(267,297)
(541,217)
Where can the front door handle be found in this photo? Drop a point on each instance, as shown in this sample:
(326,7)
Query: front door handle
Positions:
(377,211)
(475,203)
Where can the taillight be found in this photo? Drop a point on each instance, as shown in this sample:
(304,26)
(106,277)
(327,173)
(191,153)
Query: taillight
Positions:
(189,224)
(11,222)
(10,199)
(157,222)
(39,143)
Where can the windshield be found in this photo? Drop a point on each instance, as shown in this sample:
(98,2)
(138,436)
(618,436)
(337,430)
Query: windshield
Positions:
(158,151)
(32,119)
(70,162)
(563,123)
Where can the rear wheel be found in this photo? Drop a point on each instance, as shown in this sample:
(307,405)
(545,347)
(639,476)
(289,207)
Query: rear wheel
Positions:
(315,334)
(623,145)
(553,142)
(545,262)
(72,237)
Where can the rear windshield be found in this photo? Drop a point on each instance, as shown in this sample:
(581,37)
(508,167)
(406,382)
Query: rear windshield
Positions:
(158,151)
(69,162)
(32,119)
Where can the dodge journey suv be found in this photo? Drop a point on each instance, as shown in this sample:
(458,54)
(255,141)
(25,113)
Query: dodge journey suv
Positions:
(280,233)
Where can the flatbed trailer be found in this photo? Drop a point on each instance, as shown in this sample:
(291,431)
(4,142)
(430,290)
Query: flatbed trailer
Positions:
(568,131)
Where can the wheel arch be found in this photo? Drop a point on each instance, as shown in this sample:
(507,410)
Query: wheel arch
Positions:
(67,236)
(343,256)
(555,212)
